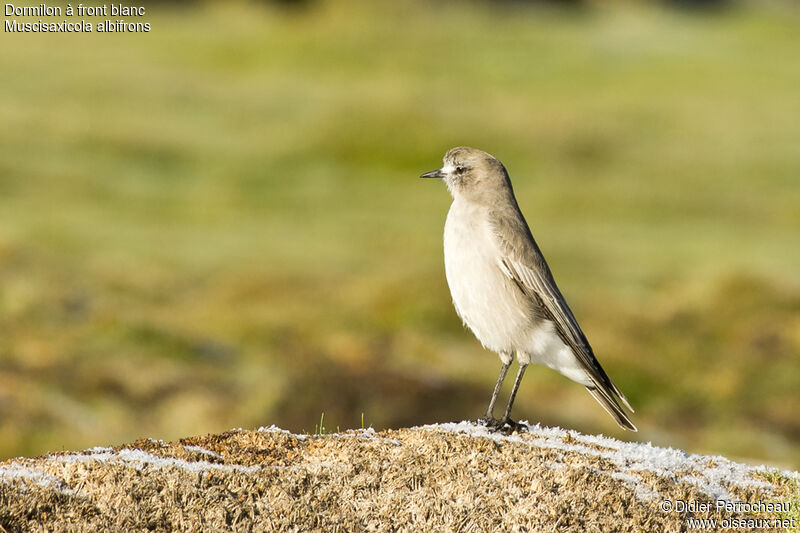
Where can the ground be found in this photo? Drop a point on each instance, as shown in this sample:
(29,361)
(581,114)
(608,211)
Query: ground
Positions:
(457,477)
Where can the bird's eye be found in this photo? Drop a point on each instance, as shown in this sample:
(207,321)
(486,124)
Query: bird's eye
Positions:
(460,170)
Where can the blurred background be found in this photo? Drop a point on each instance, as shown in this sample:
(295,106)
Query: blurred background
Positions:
(219,223)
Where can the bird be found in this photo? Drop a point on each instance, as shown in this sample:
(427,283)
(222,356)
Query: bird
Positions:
(503,290)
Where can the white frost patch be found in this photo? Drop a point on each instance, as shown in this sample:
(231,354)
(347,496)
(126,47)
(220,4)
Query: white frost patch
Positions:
(364,433)
(16,471)
(200,449)
(642,491)
(710,474)
(136,458)
(368,433)
(98,449)
(558,465)
(275,429)
(140,459)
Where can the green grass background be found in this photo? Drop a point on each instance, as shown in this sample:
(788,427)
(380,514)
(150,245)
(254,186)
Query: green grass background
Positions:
(219,223)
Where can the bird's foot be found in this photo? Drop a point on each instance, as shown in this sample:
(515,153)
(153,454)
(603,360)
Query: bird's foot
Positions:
(491,423)
(505,426)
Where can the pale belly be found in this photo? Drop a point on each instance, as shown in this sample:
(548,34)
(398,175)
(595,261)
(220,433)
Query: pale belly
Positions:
(487,301)
(491,304)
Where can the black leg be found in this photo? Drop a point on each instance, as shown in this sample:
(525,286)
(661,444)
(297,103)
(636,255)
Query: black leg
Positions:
(517,381)
(496,393)
(506,420)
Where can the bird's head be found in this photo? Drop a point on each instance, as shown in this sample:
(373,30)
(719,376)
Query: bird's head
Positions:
(472,174)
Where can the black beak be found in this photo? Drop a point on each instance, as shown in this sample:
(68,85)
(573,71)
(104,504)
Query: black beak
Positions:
(433,174)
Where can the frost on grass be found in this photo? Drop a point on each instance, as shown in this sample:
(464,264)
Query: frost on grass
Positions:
(30,470)
(456,477)
(712,475)
(16,472)
(140,460)
(200,449)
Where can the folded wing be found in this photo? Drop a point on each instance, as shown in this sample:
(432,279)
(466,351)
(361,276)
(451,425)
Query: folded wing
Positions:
(523,262)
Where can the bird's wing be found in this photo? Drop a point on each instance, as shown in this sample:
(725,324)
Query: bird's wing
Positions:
(523,262)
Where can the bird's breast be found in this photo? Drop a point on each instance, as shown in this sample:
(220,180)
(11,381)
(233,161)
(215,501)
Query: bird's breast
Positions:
(486,299)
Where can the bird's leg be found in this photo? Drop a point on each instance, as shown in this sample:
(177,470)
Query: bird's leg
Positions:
(506,420)
(488,419)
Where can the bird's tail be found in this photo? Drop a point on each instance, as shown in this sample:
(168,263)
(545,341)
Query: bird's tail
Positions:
(610,404)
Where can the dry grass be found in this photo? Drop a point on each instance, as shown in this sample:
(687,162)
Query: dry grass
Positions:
(422,479)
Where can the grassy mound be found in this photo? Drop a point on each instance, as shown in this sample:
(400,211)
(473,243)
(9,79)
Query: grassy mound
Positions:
(434,478)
